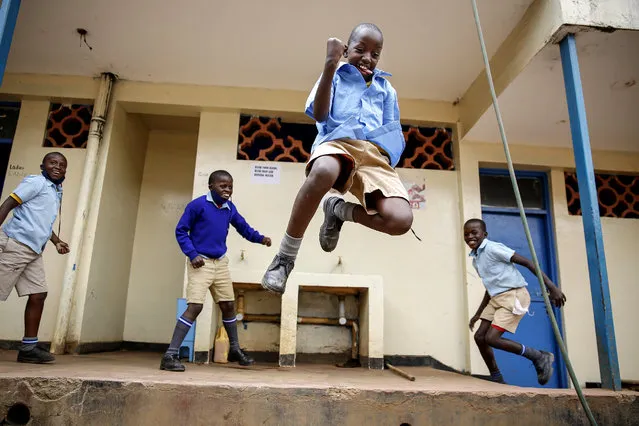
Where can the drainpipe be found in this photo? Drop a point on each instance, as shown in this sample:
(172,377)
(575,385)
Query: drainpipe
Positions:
(96,129)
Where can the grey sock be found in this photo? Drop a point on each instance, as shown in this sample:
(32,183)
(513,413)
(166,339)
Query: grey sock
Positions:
(230,325)
(181,329)
(531,353)
(344,211)
(28,344)
(290,246)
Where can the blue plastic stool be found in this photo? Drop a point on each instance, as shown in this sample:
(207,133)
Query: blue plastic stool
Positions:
(187,350)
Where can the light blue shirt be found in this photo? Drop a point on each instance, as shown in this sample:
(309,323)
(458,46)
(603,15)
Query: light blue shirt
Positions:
(492,262)
(361,112)
(32,221)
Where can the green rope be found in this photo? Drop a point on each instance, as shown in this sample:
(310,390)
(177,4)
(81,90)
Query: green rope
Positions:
(524,221)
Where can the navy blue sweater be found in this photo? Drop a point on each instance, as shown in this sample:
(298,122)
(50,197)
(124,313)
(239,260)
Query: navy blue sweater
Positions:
(203,228)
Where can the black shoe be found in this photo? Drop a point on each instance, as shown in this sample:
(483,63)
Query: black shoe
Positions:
(238,355)
(274,279)
(171,362)
(35,356)
(499,380)
(544,367)
(329,231)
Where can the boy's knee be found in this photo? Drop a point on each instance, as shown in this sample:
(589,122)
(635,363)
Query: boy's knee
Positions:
(194,309)
(491,339)
(480,339)
(227,308)
(401,222)
(324,172)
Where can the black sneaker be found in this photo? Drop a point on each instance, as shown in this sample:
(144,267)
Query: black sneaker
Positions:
(329,231)
(544,367)
(275,277)
(35,356)
(499,380)
(171,362)
(238,355)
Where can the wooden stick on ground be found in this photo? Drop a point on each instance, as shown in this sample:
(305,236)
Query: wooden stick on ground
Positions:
(400,372)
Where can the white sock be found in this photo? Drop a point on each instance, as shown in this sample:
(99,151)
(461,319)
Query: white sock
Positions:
(290,246)
(344,211)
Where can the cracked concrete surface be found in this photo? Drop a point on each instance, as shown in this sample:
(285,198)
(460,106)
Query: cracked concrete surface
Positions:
(128,389)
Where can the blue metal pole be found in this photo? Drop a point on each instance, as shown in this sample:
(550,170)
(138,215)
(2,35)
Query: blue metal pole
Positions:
(8,17)
(604,326)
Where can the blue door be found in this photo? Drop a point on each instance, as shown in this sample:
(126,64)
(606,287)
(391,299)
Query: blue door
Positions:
(504,225)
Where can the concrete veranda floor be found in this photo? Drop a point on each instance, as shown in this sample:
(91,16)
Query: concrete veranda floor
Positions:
(78,389)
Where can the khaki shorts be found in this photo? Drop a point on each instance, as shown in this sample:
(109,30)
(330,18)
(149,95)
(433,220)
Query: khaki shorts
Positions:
(20,267)
(506,309)
(368,170)
(215,277)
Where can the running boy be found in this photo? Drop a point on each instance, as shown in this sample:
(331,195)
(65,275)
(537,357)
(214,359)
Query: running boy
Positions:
(359,142)
(201,234)
(505,302)
(35,204)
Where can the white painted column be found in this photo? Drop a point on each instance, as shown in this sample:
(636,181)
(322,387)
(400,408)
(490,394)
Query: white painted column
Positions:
(218,131)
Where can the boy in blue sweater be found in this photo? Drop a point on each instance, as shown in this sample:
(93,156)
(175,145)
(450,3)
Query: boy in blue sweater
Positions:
(201,234)
(359,142)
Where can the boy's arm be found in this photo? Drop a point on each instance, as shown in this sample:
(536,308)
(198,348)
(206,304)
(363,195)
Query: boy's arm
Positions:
(60,246)
(481,308)
(556,296)
(182,233)
(245,230)
(9,204)
(322,102)
(28,188)
(391,106)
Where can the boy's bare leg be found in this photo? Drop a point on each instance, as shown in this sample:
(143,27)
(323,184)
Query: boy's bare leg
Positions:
(484,348)
(33,314)
(320,180)
(323,175)
(487,352)
(394,215)
(540,359)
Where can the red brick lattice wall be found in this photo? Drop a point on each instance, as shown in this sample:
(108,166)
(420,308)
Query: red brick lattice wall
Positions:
(618,195)
(68,126)
(270,139)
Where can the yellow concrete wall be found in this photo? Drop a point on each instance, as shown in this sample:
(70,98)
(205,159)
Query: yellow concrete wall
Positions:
(108,280)
(620,236)
(426,284)
(27,152)
(418,277)
(157,267)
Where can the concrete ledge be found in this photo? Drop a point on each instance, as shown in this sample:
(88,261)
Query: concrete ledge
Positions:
(76,401)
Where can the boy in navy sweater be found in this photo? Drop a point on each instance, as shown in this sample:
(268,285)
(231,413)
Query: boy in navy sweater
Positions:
(201,234)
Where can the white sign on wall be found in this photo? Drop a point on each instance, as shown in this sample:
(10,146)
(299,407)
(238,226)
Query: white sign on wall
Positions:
(265,173)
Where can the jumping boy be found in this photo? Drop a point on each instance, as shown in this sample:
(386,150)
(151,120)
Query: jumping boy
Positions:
(359,142)
(201,234)
(35,204)
(505,302)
